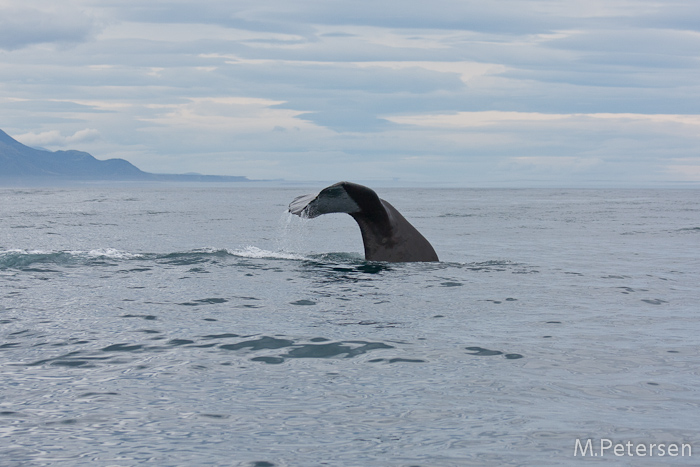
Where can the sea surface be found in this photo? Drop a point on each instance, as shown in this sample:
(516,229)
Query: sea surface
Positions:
(204,325)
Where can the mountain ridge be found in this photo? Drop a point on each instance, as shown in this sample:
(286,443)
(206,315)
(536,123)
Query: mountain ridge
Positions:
(21,162)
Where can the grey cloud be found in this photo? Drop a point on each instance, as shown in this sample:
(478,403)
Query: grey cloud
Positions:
(345,118)
(369,80)
(679,14)
(632,41)
(298,17)
(241,14)
(20,27)
(337,34)
(345,98)
(469,15)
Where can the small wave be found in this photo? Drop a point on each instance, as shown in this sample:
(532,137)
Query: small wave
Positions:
(258,253)
(453,214)
(245,252)
(338,257)
(108,253)
(18,258)
(24,258)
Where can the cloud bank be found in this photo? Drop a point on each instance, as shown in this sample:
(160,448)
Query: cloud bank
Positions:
(465,92)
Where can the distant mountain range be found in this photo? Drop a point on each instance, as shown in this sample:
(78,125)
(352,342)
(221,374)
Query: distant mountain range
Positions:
(20,162)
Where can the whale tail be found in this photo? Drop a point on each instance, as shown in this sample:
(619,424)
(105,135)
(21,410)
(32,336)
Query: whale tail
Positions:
(346,197)
(300,204)
(386,234)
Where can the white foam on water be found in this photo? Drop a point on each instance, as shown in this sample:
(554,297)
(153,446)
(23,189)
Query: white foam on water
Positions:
(16,251)
(108,253)
(258,253)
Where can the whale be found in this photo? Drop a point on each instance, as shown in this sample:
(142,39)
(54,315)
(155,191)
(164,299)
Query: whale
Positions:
(386,234)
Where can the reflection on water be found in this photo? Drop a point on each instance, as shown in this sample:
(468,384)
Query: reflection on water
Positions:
(318,347)
(481,352)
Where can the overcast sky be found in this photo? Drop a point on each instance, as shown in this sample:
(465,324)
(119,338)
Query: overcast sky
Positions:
(563,92)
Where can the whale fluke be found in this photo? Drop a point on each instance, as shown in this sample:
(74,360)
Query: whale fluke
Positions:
(386,234)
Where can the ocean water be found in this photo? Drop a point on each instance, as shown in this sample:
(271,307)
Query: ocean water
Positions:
(203,325)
